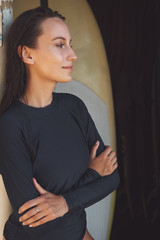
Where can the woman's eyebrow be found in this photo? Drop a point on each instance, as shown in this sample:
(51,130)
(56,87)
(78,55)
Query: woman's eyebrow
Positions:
(60,38)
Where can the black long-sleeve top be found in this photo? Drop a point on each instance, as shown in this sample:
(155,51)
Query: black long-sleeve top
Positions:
(53,145)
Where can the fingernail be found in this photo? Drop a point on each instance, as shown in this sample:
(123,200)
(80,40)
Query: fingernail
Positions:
(97,142)
(20,219)
(30,225)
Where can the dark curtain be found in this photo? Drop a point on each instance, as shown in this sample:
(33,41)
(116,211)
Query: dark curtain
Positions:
(131,33)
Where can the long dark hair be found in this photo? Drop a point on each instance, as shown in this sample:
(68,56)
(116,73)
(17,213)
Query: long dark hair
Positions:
(23,32)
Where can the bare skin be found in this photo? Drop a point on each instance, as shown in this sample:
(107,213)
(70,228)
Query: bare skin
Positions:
(49,63)
(105,163)
(88,236)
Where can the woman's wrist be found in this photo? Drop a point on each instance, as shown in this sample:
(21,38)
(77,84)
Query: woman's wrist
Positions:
(65,204)
(94,172)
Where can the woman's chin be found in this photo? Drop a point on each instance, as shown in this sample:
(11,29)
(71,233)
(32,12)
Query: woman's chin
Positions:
(65,80)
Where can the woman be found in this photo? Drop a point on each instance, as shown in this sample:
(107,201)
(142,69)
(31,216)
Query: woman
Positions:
(53,161)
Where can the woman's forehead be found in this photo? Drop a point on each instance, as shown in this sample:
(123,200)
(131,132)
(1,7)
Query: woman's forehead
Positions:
(55,27)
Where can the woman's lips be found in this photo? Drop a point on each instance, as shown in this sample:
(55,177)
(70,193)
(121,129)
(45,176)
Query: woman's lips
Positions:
(70,68)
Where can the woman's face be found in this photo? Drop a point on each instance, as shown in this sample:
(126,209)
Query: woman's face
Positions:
(53,57)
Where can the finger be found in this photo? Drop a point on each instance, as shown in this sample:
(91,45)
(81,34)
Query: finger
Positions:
(29,204)
(41,221)
(36,217)
(107,151)
(114,160)
(38,187)
(94,150)
(112,155)
(107,146)
(30,213)
(115,165)
(33,211)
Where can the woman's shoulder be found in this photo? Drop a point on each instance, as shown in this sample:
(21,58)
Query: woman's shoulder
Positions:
(9,120)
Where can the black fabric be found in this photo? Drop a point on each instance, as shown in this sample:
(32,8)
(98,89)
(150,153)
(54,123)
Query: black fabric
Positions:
(131,35)
(52,144)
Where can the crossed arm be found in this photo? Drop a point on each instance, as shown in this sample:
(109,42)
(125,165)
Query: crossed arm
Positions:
(100,179)
(51,206)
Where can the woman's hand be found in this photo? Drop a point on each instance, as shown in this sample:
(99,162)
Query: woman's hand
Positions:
(105,163)
(45,208)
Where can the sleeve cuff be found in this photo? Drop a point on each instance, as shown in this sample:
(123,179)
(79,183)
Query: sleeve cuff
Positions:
(94,172)
(68,200)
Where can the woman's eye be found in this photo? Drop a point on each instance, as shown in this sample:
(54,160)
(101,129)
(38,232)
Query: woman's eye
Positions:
(60,45)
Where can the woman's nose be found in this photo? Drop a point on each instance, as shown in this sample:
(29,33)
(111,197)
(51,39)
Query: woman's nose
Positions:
(71,55)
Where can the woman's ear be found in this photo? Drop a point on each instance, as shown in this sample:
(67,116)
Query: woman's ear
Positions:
(24,53)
